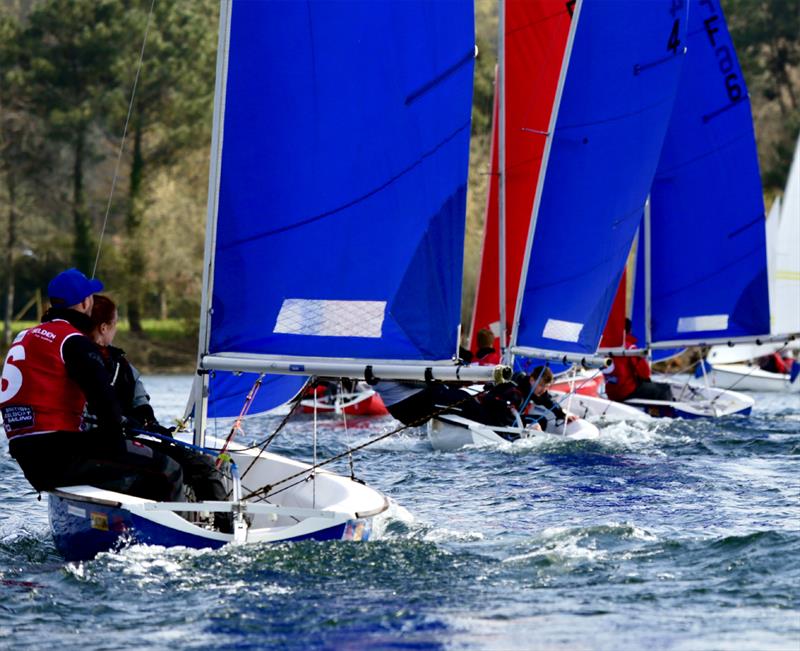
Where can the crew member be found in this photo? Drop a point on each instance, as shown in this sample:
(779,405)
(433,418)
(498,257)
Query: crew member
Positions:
(51,373)
(629,377)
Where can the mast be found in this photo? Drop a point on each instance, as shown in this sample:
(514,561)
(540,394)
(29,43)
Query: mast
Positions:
(200,386)
(648,276)
(501,178)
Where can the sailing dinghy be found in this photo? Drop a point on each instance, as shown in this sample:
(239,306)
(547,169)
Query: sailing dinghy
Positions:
(576,171)
(332,398)
(707,185)
(327,116)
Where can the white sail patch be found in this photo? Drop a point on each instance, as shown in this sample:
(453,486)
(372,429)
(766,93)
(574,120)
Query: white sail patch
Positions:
(562,330)
(703,323)
(321,318)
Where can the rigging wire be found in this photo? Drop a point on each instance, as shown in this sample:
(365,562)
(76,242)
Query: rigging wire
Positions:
(347,430)
(122,141)
(267,490)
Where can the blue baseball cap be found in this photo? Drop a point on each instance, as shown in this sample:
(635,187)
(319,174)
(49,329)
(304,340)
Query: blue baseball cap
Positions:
(70,287)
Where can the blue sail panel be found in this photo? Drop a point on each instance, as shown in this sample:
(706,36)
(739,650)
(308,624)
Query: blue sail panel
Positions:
(616,101)
(227,392)
(342,192)
(709,265)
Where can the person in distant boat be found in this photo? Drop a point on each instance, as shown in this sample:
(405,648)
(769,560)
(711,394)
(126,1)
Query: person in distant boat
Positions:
(414,403)
(465,355)
(628,378)
(199,470)
(533,390)
(774,363)
(51,374)
(486,355)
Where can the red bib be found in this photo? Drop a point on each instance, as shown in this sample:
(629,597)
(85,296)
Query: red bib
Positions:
(36,394)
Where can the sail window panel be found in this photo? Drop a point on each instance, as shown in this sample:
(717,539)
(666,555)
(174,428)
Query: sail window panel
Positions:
(562,330)
(708,322)
(320,318)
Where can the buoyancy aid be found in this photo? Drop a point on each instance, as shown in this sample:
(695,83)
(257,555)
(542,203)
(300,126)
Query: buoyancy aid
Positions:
(36,393)
(625,374)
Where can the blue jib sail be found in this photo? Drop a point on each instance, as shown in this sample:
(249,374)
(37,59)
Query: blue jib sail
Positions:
(617,97)
(343,182)
(709,265)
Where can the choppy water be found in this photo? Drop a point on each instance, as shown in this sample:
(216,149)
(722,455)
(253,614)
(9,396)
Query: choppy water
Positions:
(666,535)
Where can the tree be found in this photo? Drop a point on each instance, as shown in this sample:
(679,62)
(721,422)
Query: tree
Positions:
(171,110)
(70,47)
(21,164)
(767,38)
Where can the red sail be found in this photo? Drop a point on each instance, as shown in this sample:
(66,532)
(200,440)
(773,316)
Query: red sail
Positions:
(535,40)
(614,334)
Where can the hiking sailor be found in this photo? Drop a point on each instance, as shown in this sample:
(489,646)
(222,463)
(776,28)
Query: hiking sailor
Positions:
(51,373)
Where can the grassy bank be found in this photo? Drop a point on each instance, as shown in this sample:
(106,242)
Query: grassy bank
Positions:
(165,346)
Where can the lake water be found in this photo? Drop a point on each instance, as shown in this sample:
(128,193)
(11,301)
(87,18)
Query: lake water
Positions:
(664,535)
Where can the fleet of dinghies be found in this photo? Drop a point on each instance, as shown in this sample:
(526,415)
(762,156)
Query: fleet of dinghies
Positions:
(618,126)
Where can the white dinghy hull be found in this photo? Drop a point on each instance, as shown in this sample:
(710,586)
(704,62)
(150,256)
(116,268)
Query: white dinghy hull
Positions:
(595,407)
(691,401)
(449,432)
(744,377)
(86,520)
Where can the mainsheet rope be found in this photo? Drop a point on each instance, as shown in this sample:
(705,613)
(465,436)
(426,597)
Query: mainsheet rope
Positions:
(267,491)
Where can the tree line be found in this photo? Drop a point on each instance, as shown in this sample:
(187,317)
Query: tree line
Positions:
(67,70)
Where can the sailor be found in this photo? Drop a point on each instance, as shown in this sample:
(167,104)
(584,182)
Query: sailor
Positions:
(51,373)
(414,403)
(629,377)
(543,410)
(199,470)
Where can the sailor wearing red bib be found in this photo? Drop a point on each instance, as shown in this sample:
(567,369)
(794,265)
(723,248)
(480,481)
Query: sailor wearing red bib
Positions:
(629,377)
(50,374)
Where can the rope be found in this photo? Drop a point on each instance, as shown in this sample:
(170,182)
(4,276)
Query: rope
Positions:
(347,434)
(237,424)
(262,445)
(122,141)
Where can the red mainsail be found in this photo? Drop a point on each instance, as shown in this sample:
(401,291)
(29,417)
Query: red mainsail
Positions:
(536,34)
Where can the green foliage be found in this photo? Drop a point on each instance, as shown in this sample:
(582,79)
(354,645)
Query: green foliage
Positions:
(767,38)
(483,89)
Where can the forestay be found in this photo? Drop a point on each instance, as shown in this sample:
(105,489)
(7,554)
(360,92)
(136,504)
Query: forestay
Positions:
(615,97)
(708,267)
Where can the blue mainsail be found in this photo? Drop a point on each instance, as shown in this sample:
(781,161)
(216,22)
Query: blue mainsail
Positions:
(342,184)
(708,252)
(616,99)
